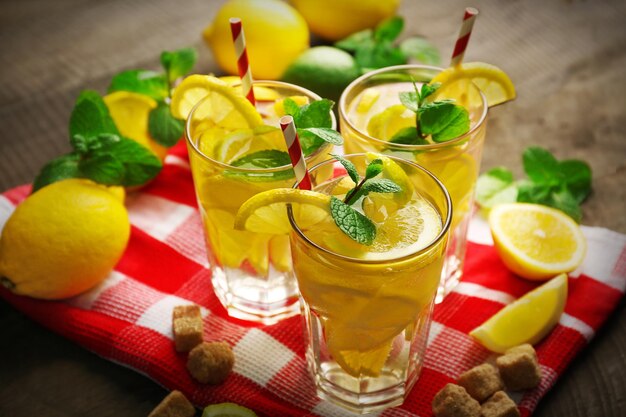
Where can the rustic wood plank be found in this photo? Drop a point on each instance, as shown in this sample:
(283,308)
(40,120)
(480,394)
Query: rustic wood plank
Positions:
(567,59)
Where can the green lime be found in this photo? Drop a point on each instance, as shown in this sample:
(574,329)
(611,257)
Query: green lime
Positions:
(324,70)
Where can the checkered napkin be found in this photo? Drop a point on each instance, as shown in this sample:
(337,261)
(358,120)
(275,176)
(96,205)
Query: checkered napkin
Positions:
(127,318)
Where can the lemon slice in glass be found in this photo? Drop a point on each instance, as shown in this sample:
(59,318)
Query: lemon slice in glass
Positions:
(491,80)
(226,107)
(536,242)
(526,320)
(266,212)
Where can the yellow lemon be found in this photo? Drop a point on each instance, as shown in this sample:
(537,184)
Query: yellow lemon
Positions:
(336,19)
(130,112)
(275,35)
(63,239)
(527,320)
(536,242)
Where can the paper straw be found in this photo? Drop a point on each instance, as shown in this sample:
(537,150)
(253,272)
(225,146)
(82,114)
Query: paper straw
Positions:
(295,152)
(242,59)
(464,35)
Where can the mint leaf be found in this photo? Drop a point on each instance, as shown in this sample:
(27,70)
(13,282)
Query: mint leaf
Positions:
(378,55)
(58,169)
(163,127)
(373,168)
(90,116)
(530,192)
(352,223)
(389,29)
(140,164)
(356,41)
(577,177)
(315,114)
(444,103)
(444,121)
(350,168)
(80,144)
(178,63)
(563,200)
(291,108)
(408,136)
(324,133)
(270,158)
(380,185)
(428,89)
(149,83)
(496,186)
(410,100)
(421,50)
(540,165)
(103,169)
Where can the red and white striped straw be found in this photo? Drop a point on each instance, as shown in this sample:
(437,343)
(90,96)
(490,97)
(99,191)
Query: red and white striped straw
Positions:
(464,35)
(242,59)
(295,152)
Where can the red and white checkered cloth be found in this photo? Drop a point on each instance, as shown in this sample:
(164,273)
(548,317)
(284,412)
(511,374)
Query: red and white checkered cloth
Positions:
(127,318)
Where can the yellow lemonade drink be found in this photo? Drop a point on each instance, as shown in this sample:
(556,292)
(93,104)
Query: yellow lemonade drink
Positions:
(231,161)
(372,115)
(368,308)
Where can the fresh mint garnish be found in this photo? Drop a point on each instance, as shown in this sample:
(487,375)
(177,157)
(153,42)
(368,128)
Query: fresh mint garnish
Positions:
(440,120)
(270,158)
(148,83)
(563,185)
(377,48)
(313,124)
(178,63)
(99,152)
(408,136)
(352,223)
(163,127)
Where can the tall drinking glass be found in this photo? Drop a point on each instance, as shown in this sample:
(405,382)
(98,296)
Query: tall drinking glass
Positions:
(370,113)
(368,309)
(251,272)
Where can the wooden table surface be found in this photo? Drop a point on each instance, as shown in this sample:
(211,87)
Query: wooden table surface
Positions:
(566,58)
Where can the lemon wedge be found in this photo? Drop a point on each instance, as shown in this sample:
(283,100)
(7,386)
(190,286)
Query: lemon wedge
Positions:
(130,113)
(266,212)
(526,320)
(227,410)
(491,80)
(226,108)
(536,242)
(390,121)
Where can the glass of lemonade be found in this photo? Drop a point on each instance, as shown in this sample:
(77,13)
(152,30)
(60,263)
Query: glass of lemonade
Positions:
(368,308)
(251,272)
(370,113)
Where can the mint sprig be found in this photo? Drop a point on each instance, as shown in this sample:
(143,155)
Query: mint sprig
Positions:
(440,120)
(163,127)
(99,153)
(377,48)
(349,220)
(313,124)
(563,185)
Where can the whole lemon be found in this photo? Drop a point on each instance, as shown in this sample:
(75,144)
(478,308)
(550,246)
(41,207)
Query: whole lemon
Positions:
(63,239)
(336,19)
(275,35)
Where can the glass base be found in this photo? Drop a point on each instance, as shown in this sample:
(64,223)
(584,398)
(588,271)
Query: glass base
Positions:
(265,300)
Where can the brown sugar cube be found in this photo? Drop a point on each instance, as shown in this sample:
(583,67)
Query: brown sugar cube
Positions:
(499,405)
(210,363)
(454,401)
(187,327)
(481,381)
(174,405)
(525,348)
(519,368)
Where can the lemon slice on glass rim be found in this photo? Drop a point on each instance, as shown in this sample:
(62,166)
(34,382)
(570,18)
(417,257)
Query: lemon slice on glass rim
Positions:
(527,320)
(491,80)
